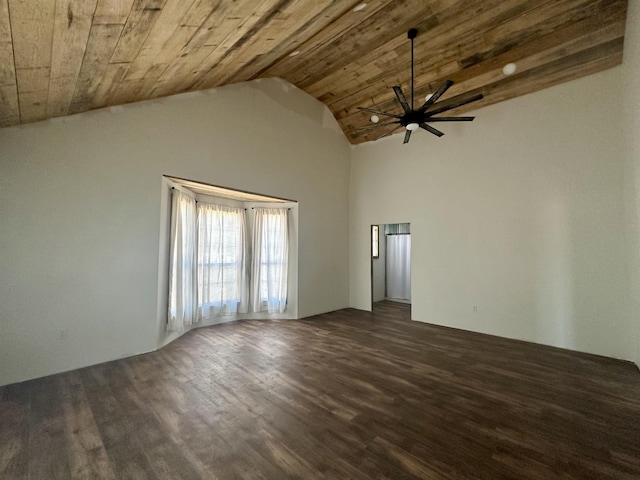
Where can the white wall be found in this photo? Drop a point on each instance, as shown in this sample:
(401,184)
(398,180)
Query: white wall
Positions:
(520,213)
(631,118)
(81,201)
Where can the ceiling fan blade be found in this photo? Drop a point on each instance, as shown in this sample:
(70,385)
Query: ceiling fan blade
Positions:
(436,95)
(455,104)
(450,119)
(367,127)
(401,98)
(379,112)
(430,129)
(407,136)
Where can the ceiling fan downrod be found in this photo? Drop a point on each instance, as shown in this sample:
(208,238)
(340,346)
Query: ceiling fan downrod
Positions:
(412,33)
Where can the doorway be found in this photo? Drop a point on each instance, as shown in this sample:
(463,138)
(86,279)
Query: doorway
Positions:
(390,263)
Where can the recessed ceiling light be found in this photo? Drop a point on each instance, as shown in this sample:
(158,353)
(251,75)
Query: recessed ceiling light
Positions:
(375,118)
(293,54)
(360,7)
(509,69)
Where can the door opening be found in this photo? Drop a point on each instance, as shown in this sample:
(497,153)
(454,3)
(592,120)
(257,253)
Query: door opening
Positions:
(390,263)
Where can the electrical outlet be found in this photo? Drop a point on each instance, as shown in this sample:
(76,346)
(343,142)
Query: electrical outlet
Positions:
(64,334)
(475,308)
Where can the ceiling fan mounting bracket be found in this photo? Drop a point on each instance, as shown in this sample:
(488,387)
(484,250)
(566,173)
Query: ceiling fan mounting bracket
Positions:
(412,33)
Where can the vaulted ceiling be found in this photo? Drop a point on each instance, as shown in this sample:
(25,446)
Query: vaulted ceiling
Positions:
(60,57)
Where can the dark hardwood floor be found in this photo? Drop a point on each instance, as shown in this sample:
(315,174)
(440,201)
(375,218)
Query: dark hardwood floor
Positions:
(343,395)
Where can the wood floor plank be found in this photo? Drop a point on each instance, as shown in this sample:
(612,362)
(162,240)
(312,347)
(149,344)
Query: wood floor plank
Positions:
(87,454)
(48,446)
(15,417)
(347,394)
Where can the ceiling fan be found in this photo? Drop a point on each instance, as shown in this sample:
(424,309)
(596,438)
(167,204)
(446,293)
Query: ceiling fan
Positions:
(413,118)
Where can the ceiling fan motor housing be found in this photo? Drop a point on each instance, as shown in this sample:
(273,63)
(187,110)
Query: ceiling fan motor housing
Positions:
(414,116)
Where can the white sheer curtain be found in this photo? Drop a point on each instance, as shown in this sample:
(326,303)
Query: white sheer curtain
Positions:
(222,275)
(270,260)
(398,258)
(182,257)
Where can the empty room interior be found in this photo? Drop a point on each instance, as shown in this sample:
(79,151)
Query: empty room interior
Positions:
(390,239)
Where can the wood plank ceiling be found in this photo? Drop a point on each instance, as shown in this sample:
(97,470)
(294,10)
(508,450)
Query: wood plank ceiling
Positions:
(60,57)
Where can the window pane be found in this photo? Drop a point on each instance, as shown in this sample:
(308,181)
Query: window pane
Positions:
(271,260)
(220,259)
